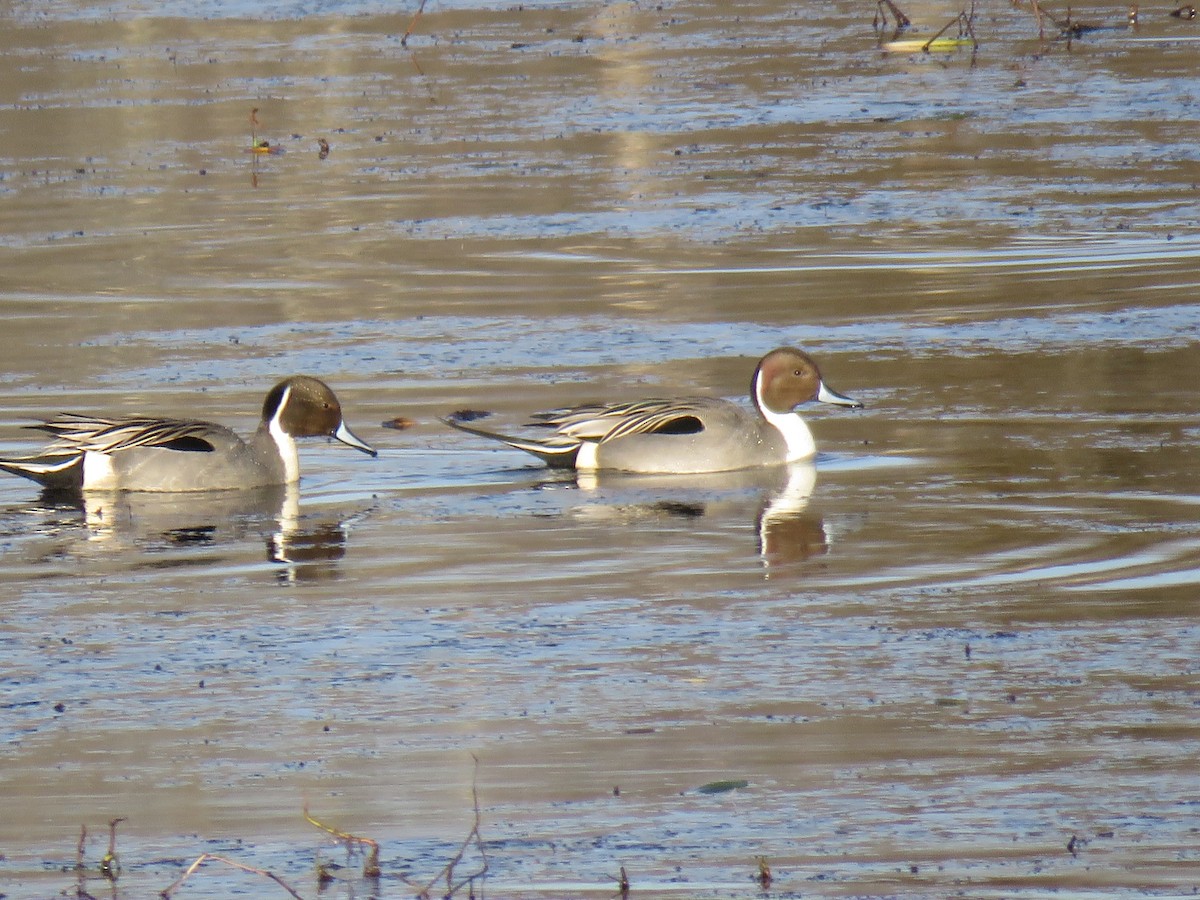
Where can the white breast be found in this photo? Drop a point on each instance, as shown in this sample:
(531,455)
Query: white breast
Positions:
(585,459)
(98,474)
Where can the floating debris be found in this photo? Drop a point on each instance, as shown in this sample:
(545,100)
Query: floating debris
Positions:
(764,874)
(469,415)
(266,147)
(723,787)
(965,21)
(263,146)
(937,45)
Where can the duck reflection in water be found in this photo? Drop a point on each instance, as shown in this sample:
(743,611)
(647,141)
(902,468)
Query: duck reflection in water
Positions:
(306,548)
(788,532)
(308,552)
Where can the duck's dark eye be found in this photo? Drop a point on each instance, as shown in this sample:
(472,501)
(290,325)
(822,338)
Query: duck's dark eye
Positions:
(799,373)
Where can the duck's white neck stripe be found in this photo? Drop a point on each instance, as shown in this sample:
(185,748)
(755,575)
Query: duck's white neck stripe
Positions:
(799,440)
(284,441)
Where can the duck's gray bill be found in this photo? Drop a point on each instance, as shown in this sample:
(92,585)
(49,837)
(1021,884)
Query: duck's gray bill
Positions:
(825,395)
(347,437)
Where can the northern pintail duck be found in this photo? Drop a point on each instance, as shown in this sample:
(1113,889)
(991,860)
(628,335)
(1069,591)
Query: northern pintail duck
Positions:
(691,435)
(140,453)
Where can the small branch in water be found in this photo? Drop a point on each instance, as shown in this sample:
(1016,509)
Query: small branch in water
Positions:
(371,863)
(882,8)
(371,868)
(764,874)
(1070,28)
(79,848)
(412,24)
(204,857)
(965,21)
(110,865)
(80,869)
(1037,14)
(473,837)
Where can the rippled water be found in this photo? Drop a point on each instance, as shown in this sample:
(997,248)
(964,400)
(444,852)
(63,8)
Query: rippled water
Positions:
(957,655)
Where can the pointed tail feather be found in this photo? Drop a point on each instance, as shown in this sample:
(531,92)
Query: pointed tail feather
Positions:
(557,451)
(55,471)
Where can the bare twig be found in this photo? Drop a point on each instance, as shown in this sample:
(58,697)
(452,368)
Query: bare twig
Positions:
(965,21)
(1037,12)
(110,865)
(205,857)
(371,863)
(882,8)
(80,869)
(764,874)
(412,23)
(473,836)
(371,868)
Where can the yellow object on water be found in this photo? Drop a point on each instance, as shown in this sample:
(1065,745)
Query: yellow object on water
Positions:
(916,45)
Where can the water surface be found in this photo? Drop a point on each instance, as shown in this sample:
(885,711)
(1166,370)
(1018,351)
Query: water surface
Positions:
(956,655)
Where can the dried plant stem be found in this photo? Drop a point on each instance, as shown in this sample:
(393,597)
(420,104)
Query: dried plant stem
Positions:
(965,22)
(1037,13)
(110,865)
(412,23)
(371,863)
(80,869)
(473,836)
(764,874)
(79,848)
(205,857)
(882,7)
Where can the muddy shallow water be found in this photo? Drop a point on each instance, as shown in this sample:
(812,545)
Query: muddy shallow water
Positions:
(957,655)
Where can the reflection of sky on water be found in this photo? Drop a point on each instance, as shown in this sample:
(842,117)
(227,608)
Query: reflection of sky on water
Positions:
(473,349)
(246,9)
